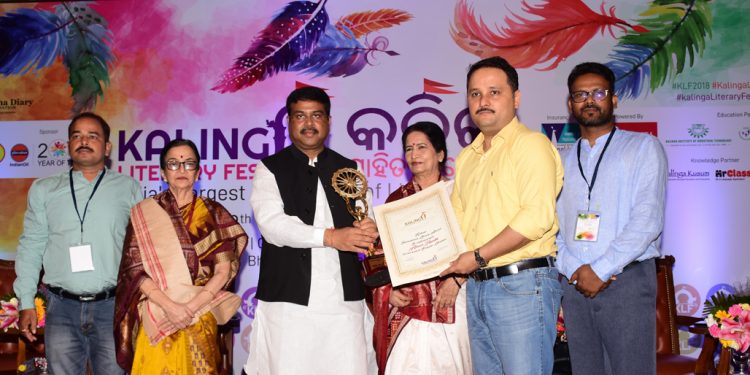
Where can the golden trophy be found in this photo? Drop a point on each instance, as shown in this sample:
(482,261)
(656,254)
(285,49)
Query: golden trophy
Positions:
(351,184)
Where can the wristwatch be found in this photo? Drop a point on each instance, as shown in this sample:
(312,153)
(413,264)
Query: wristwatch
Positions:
(480,261)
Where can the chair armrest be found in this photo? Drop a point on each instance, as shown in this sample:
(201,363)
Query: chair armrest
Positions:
(225,338)
(233,324)
(705,362)
(683,320)
(724,359)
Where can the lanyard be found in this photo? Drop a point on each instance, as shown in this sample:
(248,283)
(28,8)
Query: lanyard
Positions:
(596,169)
(75,202)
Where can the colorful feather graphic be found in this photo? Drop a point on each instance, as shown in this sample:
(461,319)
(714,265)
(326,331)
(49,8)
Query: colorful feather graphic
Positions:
(678,32)
(87,54)
(560,28)
(32,39)
(29,40)
(292,35)
(339,54)
(363,23)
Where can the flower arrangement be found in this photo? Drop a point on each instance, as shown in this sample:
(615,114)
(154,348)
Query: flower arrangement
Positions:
(37,365)
(728,319)
(560,326)
(9,311)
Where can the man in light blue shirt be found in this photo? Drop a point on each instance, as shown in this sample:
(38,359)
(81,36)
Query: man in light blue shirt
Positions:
(611,213)
(74,226)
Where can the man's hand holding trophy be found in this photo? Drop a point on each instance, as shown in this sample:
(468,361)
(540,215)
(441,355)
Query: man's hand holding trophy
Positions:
(351,185)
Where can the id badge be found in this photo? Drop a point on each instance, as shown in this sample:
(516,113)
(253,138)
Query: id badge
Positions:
(587,226)
(80,258)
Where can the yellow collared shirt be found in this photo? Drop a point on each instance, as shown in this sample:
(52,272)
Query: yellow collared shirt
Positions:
(514,183)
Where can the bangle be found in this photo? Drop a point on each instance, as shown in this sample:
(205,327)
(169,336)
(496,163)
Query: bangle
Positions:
(456,281)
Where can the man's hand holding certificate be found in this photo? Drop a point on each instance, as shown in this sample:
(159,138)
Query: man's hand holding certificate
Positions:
(420,235)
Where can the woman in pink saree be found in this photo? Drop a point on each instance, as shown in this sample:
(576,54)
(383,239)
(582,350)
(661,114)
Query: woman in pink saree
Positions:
(181,252)
(421,328)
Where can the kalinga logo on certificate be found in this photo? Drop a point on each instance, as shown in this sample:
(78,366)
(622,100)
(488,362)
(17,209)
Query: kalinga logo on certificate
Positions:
(420,235)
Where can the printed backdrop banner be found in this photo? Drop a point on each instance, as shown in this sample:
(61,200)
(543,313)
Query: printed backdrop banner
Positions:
(219,72)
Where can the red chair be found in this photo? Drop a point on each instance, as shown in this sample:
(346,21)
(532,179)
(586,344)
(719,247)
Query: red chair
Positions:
(668,358)
(14,349)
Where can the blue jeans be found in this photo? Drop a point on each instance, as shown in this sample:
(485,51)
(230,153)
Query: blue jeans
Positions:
(512,322)
(77,333)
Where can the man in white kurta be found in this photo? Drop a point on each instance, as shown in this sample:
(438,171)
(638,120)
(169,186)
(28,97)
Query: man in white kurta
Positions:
(326,332)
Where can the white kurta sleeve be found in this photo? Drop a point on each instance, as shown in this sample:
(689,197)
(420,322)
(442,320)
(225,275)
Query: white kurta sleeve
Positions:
(277,227)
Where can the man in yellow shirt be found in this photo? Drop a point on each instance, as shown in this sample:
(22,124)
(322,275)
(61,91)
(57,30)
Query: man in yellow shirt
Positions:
(507,182)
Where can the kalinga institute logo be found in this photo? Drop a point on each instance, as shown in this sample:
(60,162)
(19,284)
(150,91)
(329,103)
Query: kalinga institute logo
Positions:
(698,130)
(699,136)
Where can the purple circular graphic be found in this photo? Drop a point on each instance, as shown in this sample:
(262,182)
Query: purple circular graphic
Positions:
(726,288)
(249,302)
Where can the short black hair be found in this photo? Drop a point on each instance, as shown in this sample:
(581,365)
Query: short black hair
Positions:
(496,62)
(93,116)
(174,143)
(436,136)
(308,93)
(592,68)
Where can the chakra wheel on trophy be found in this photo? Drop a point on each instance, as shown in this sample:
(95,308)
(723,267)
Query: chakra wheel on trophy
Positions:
(349,183)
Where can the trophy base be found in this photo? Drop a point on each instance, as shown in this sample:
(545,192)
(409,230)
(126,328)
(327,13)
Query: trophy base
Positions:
(376,271)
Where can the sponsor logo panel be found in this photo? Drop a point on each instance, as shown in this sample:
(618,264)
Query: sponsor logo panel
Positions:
(564,134)
(688,175)
(732,174)
(698,135)
(640,127)
(744,133)
(19,153)
(12,105)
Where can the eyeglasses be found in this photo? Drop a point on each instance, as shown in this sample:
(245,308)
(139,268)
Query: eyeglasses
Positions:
(581,96)
(91,137)
(189,165)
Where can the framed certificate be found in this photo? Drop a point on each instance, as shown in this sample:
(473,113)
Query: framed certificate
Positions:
(420,235)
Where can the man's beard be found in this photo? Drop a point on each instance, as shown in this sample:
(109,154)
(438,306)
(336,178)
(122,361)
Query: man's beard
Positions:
(591,122)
